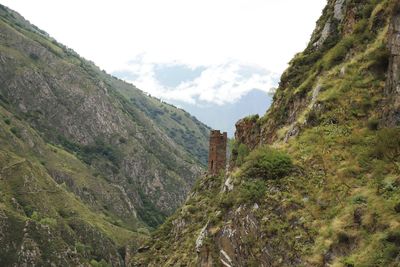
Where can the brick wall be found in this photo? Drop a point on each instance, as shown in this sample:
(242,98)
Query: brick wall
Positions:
(217,152)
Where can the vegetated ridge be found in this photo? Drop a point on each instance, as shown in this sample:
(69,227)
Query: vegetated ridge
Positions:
(316,181)
(87,161)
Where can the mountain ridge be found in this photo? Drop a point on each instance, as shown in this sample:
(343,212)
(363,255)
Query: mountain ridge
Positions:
(88,161)
(315,181)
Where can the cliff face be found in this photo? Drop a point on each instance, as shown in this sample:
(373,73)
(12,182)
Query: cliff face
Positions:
(319,182)
(393,79)
(87,161)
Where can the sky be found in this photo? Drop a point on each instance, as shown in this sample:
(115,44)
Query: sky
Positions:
(191,51)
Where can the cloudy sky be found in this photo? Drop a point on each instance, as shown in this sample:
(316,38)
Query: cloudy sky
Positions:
(208,51)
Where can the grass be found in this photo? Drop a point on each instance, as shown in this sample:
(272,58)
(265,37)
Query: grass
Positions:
(267,163)
(344,194)
(27,183)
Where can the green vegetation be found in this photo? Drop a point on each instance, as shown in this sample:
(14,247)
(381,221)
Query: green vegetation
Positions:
(252,118)
(239,152)
(149,212)
(267,163)
(101,263)
(326,189)
(89,153)
(248,192)
(338,53)
(16,131)
(74,167)
(388,144)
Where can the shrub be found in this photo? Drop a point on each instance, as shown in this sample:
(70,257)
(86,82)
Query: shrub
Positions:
(379,59)
(252,118)
(123,140)
(101,263)
(242,153)
(3,99)
(48,221)
(343,238)
(80,248)
(227,201)
(35,216)
(267,163)
(397,207)
(34,56)
(338,52)
(29,210)
(387,144)
(312,118)
(7,121)
(239,152)
(251,191)
(359,199)
(90,152)
(393,237)
(373,124)
(16,132)
(100,148)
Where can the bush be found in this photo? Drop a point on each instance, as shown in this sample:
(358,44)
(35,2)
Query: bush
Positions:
(393,237)
(91,152)
(7,121)
(313,118)
(338,53)
(48,221)
(227,201)
(268,164)
(252,118)
(100,148)
(239,152)
(373,124)
(16,132)
(35,216)
(387,144)
(34,56)
(80,248)
(251,191)
(359,199)
(242,153)
(101,263)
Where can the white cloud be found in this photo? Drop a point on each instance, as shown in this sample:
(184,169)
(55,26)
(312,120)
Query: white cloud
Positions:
(217,84)
(220,35)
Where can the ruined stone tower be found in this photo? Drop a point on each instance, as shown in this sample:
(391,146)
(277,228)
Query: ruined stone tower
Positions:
(217,152)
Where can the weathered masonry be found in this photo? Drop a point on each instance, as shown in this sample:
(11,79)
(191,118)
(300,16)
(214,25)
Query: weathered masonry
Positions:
(217,152)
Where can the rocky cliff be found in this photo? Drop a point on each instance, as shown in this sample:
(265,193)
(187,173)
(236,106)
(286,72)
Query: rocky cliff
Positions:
(87,161)
(318,184)
(393,79)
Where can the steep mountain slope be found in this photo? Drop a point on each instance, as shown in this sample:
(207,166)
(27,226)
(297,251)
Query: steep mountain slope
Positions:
(87,161)
(316,181)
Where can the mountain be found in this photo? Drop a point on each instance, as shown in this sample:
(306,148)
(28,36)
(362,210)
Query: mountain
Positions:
(87,161)
(316,180)
(224,117)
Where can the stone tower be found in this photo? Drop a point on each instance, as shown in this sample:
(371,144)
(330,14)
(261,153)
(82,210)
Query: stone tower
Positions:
(217,152)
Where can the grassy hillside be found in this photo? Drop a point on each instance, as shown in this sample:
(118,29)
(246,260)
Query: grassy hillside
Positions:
(315,182)
(87,161)
(47,218)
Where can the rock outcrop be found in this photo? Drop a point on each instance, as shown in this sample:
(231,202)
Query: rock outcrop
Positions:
(393,79)
(248,131)
(87,161)
(334,117)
